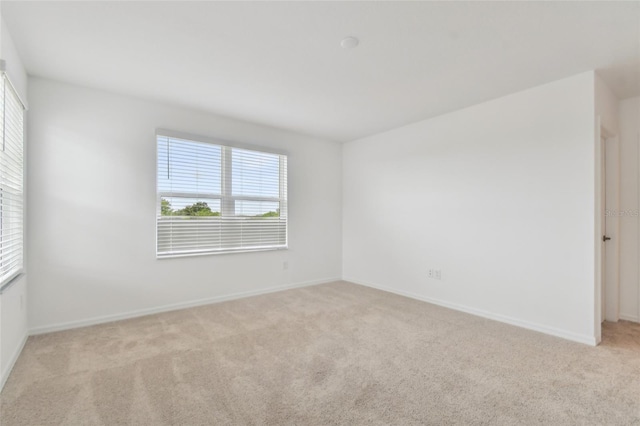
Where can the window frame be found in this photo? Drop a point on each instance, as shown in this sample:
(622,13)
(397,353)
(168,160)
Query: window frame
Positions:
(19,270)
(226,197)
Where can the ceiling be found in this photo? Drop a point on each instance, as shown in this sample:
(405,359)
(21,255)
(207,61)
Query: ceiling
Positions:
(281,64)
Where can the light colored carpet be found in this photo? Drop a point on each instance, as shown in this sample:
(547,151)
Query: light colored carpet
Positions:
(329,354)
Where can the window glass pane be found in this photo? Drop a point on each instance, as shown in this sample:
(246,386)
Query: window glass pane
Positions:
(178,206)
(186,166)
(255,173)
(257,208)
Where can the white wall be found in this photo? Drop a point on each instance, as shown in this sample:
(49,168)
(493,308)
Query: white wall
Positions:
(13,325)
(606,105)
(15,68)
(92,210)
(13,310)
(498,196)
(629,133)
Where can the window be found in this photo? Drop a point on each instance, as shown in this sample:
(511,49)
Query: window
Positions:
(11,182)
(218,199)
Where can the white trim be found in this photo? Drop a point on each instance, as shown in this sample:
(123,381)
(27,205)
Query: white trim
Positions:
(13,88)
(16,277)
(179,254)
(5,374)
(598,231)
(638,254)
(631,318)
(580,338)
(611,284)
(172,307)
(190,137)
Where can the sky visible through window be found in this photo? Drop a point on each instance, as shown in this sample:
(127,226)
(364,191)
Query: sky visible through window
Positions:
(190,167)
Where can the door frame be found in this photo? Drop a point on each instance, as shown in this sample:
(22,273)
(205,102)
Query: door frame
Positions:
(612,223)
(606,288)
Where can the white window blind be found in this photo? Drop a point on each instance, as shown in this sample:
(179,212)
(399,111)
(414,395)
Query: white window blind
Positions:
(217,199)
(11,182)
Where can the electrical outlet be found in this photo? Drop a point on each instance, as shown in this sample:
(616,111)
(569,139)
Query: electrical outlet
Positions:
(437,274)
(430,273)
(285,265)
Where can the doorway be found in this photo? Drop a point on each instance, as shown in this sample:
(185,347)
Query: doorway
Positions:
(610,225)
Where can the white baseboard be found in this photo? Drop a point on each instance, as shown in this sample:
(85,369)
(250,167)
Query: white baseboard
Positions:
(172,307)
(580,338)
(7,371)
(629,318)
